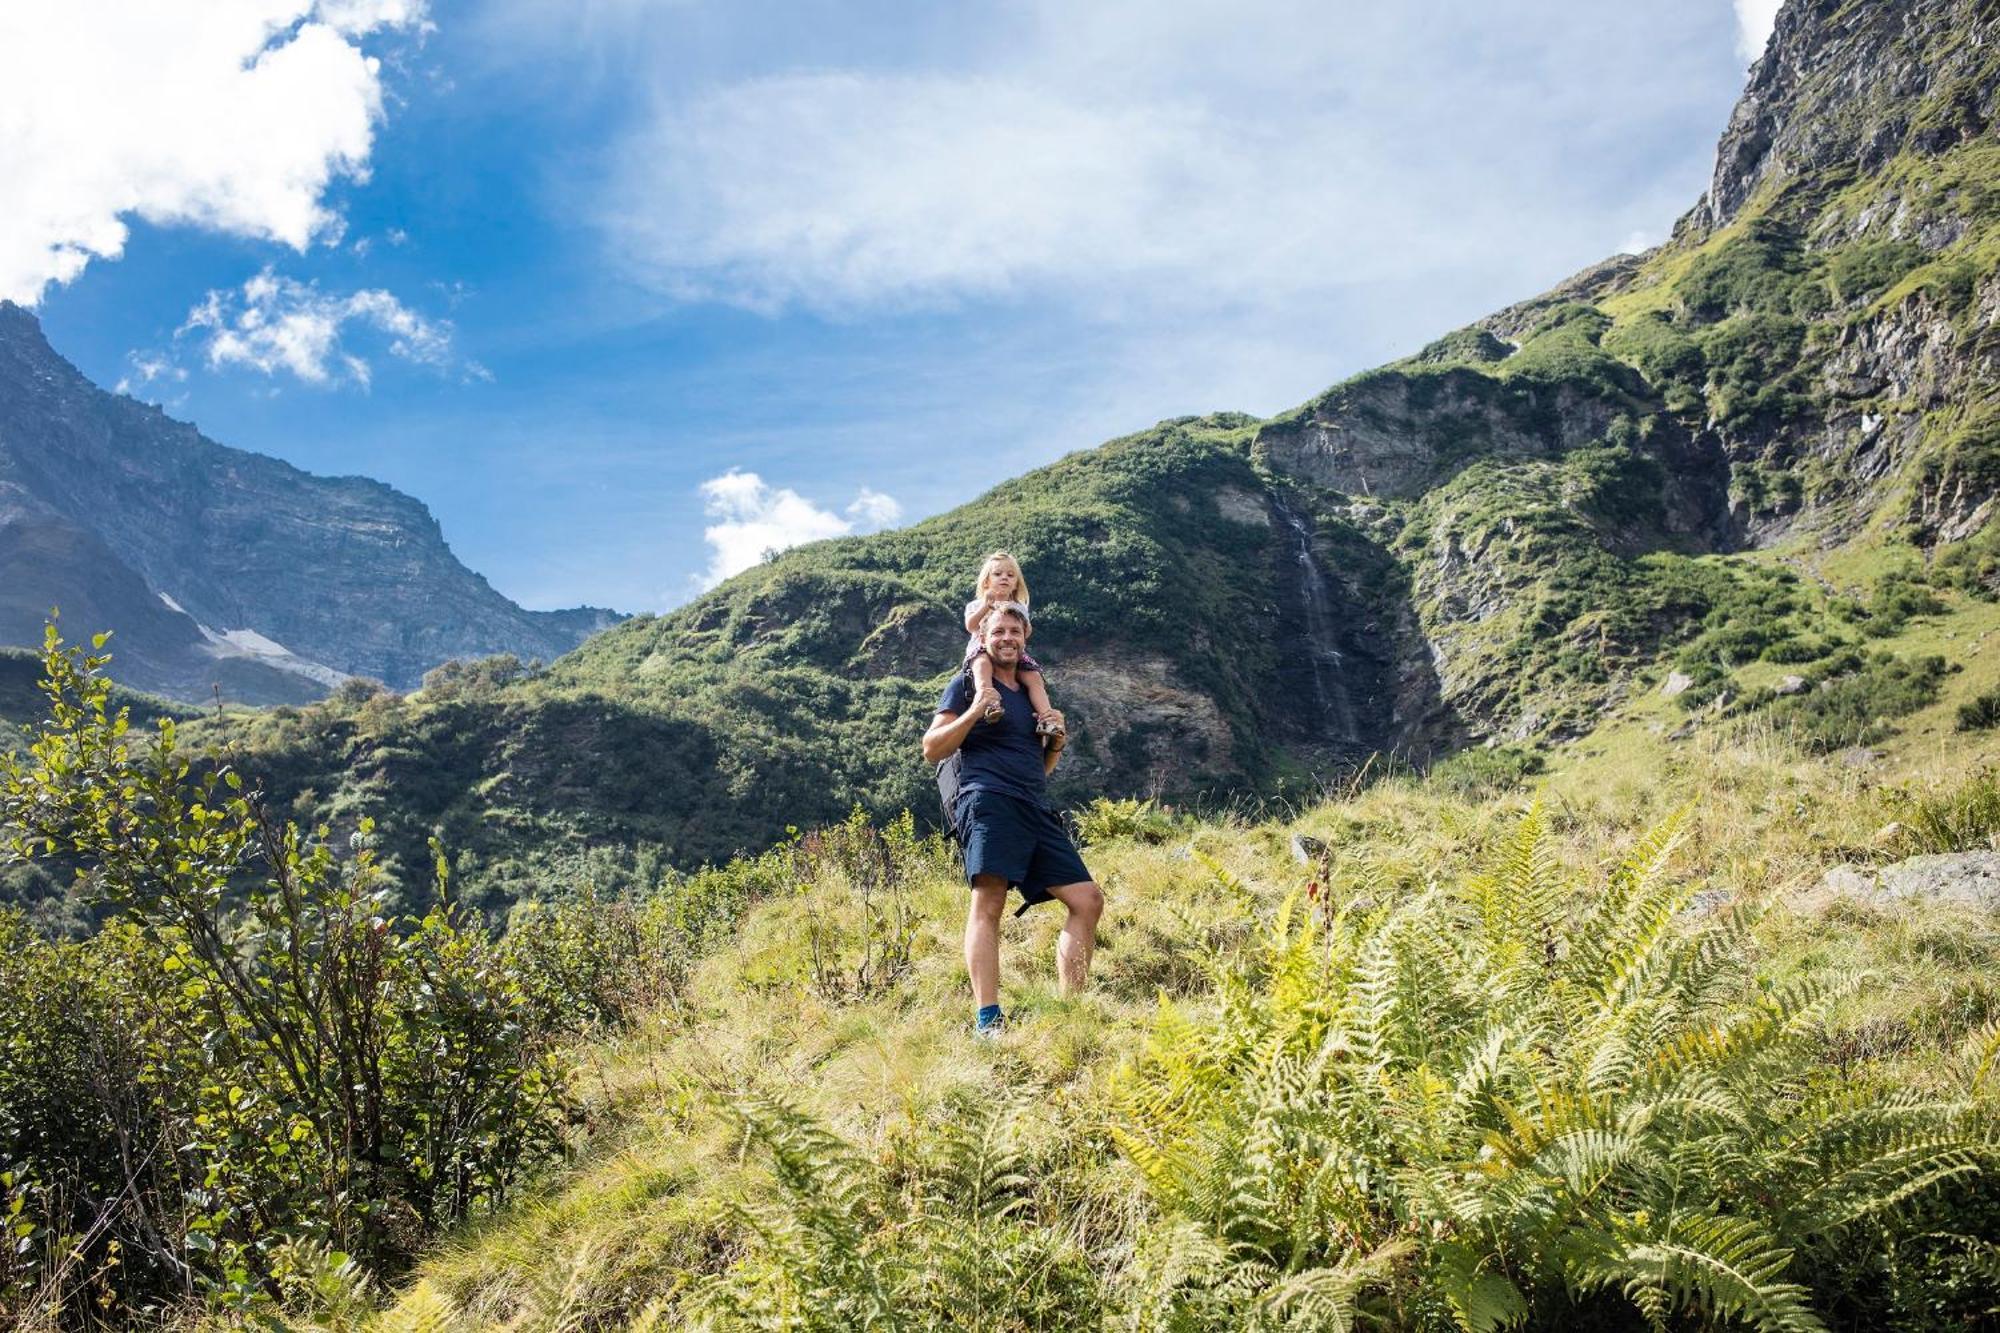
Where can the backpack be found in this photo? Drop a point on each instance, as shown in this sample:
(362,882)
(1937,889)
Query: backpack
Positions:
(947,784)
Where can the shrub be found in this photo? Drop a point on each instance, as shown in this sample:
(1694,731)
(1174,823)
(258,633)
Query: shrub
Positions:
(296,1074)
(1759,270)
(480,676)
(854,883)
(1105,820)
(1980,713)
(1478,773)
(1855,709)
(1517,1105)
(1863,271)
(1754,373)
(1667,357)
(1895,599)
(938,1231)
(1972,565)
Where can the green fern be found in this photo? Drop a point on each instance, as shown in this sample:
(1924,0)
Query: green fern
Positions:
(1534,1092)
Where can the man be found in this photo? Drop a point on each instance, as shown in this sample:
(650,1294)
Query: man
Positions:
(1011,836)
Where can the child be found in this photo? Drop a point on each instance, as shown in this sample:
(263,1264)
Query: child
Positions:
(1000,580)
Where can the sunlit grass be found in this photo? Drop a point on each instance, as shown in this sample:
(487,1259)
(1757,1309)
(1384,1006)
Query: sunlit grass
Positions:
(648,1204)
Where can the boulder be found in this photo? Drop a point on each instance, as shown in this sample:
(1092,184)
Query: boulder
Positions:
(1967,879)
(1677,682)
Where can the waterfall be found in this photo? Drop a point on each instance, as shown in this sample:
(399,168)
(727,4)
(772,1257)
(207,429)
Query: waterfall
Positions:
(1333,713)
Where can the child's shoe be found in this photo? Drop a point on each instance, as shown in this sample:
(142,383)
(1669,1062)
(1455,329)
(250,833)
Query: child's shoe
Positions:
(1047,727)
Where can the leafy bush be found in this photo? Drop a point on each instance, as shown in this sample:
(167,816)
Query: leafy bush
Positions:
(1896,598)
(1761,269)
(1980,713)
(1972,565)
(1468,346)
(1855,709)
(854,883)
(1670,360)
(1105,820)
(263,1072)
(1478,773)
(1967,459)
(476,676)
(1861,272)
(1754,368)
(1517,1105)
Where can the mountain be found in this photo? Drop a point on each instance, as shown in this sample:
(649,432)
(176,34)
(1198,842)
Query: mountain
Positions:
(1739,467)
(219,568)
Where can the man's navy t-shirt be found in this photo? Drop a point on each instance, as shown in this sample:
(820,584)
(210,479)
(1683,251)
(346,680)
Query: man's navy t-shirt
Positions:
(1003,756)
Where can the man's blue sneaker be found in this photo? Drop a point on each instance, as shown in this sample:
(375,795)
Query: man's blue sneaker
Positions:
(989,1023)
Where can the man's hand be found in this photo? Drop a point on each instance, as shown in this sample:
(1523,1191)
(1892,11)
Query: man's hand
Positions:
(1054,741)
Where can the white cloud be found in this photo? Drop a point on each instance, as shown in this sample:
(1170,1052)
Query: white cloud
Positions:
(275,324)
(872,509)
(233,115)
(1754,21)
(838,190)
(757,520)
(148,367)
(1157,160)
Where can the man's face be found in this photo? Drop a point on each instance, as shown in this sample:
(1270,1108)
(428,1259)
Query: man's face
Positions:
(1005,636)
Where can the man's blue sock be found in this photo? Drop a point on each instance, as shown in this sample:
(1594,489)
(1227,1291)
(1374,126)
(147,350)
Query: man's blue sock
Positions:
(989,1016)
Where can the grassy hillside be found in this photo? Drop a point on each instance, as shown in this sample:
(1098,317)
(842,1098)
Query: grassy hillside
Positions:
(1468,1048)
(777,1134)
(798,689)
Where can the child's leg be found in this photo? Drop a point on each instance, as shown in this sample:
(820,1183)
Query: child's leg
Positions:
(981,667)
(1038,692)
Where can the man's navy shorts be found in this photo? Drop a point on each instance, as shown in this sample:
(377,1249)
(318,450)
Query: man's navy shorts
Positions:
(1021,841)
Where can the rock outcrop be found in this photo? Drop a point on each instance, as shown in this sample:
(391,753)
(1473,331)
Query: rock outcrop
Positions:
(1960,879)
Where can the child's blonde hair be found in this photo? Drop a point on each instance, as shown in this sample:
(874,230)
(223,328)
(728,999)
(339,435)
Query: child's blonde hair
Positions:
(987,566)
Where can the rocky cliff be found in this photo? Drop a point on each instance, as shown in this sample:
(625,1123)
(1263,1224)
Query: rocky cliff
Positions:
(219,567)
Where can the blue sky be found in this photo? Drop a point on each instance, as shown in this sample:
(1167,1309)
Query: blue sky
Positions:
(627,292)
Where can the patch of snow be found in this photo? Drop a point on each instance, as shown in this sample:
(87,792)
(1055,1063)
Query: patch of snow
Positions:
(249,643)
(173,605)
(255,644)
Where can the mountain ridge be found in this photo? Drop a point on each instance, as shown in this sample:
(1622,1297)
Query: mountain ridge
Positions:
(201,555)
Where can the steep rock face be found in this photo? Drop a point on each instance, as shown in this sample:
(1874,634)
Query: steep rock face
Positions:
(1849,84)
(252,568)
(1812,359)
(1393,436)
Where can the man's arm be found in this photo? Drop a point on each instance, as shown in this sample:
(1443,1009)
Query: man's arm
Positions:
(949,730)
(1053,751)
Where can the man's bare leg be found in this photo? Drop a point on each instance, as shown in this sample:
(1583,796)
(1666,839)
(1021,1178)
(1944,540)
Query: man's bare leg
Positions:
(982,938)
(1078,940)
